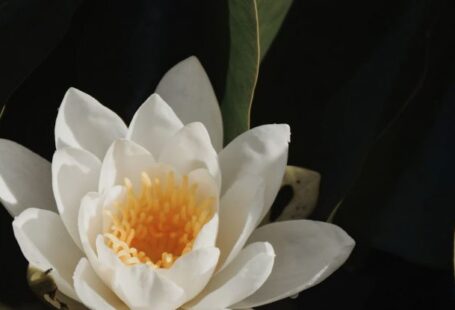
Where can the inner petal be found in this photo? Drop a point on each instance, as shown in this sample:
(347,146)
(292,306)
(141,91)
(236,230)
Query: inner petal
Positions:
(158,224)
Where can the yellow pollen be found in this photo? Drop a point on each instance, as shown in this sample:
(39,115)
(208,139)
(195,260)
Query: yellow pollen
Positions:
(159,224)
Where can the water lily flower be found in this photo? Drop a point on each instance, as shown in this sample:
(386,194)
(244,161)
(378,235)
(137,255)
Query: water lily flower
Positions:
(158,215)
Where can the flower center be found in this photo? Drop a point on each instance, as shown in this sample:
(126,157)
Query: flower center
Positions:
(160,224)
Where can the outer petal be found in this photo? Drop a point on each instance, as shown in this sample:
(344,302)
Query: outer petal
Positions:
(307,253)
(92,291)
(25,179)
(46,244)
(191,149)
(139,286)
(247,272)
(83,122)
(75,172)
(153,124)
(187,89)
(240,210)
(261,151)
(124,159)
(192,271)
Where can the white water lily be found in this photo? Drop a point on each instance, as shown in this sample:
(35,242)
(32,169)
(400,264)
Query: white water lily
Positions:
(158,215)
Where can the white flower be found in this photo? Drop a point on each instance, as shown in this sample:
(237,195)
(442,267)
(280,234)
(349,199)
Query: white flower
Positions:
(158,215)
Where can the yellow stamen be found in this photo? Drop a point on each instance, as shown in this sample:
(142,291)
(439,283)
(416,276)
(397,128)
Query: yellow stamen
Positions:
(158,225)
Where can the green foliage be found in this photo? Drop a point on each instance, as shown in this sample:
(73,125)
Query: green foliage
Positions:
(253,25)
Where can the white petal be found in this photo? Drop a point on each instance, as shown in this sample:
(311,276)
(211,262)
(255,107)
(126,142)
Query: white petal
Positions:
(124,159)
(241,278)
(207,235)
(107,262)
(83,122)
(90,223)
(92,292)
(187,89)
(307,252)
(190,149)
(46,244)
(139,286)
(90,220)
(75,172)
(192,271)
(153,124)
(25,179)
(207,185)
(240,210)
(261,151)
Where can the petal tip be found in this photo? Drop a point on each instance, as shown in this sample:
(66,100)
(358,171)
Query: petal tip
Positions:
(286,131)
(192,61)
(155,98)
(196,126)
(73,92)
(269,249)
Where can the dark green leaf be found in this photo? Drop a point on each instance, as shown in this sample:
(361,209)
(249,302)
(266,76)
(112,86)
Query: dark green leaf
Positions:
(243,67)
(29,31)
(356,112)
(253,25)
(402,201)
(271,15)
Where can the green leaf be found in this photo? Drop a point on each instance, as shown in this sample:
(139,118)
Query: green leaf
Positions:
(253,24)
(400,199)
(355,114)
(271,15)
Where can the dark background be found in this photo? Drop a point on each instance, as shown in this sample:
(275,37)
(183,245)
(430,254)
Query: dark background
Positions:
(368,88)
